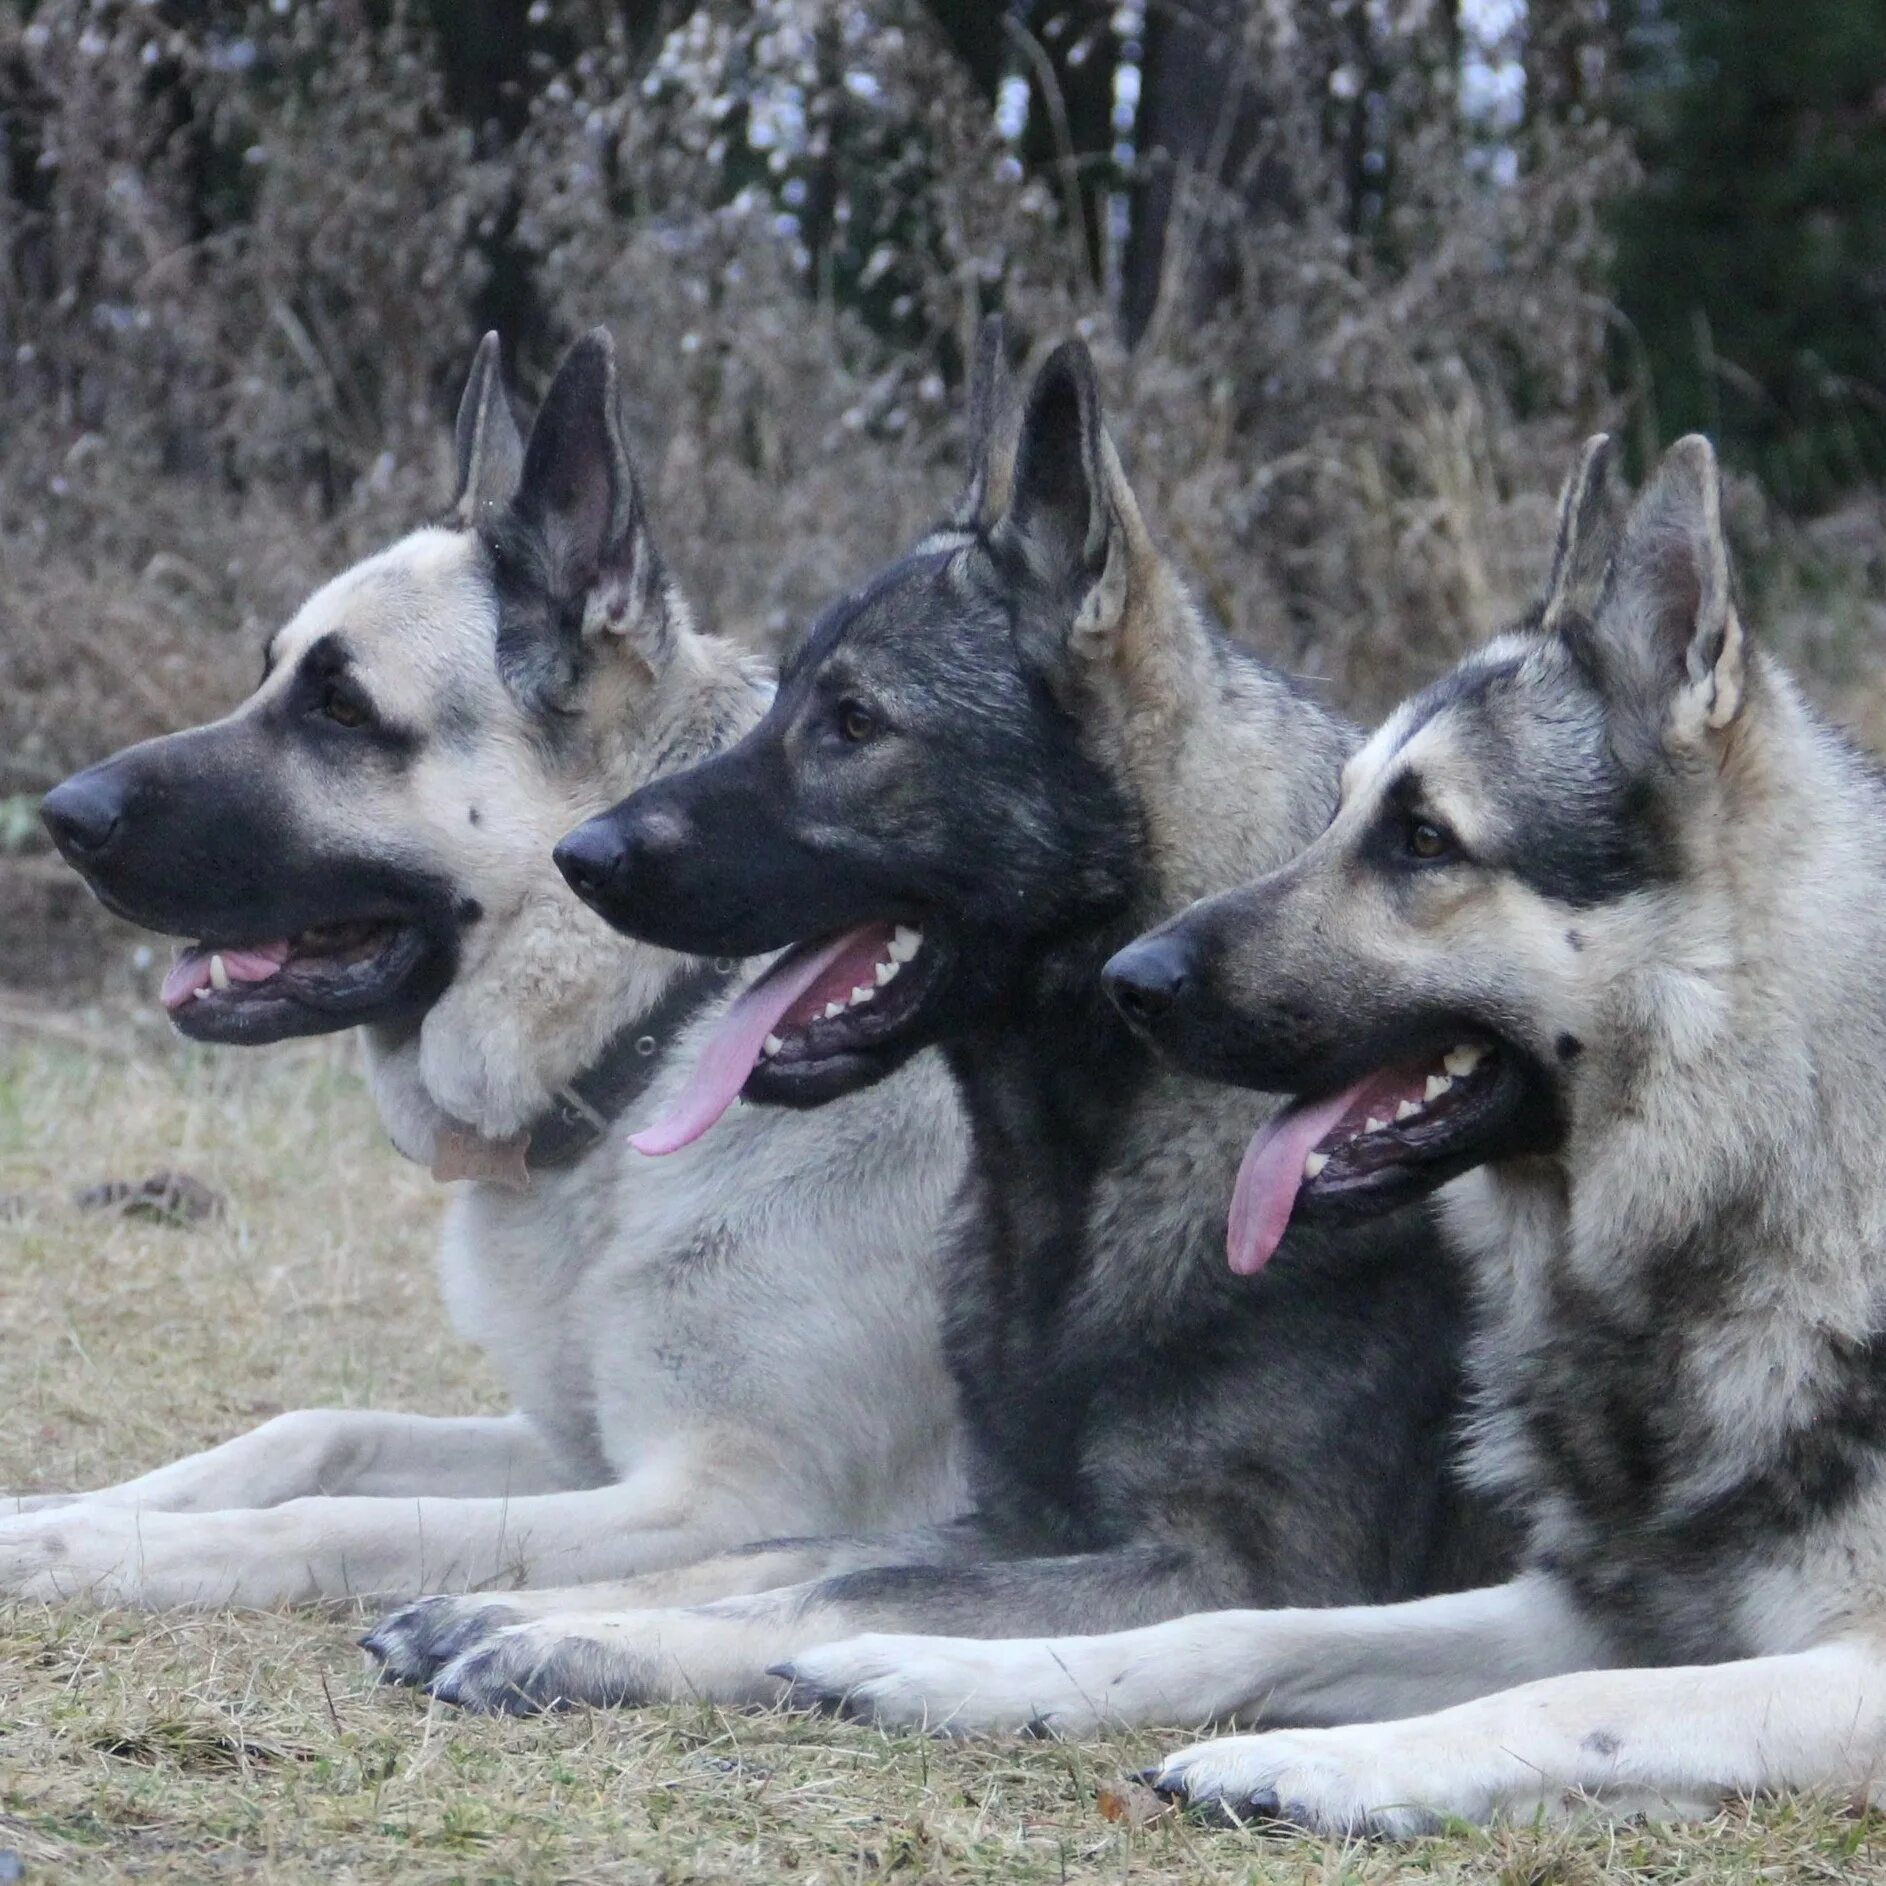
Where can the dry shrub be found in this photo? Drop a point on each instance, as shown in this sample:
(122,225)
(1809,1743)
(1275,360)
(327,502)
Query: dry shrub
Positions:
(247,250)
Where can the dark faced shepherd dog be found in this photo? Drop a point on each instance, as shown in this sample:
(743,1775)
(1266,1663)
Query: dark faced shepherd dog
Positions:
(984,772)
(1617,869)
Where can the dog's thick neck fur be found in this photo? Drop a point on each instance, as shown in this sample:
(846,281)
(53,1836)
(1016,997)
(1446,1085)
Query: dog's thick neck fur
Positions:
(1685,1353)
(531,951)
(1087,1275)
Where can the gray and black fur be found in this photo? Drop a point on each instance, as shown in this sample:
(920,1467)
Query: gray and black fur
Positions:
(1022,740)
(734,1343)
(1627,888)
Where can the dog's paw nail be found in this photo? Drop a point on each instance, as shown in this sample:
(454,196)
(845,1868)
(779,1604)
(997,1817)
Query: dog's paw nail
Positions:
(816,1699)
(786,1672)
(1264,1805)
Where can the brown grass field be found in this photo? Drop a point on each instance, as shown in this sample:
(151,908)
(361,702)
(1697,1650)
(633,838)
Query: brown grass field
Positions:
(258,1748)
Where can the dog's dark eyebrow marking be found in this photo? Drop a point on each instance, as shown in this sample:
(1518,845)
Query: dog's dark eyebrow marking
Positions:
(828,627)
(329,655)
(324,660)
(1461,685)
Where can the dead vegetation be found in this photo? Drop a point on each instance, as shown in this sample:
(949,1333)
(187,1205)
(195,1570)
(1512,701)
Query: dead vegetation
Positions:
(245,252)
(256,1749)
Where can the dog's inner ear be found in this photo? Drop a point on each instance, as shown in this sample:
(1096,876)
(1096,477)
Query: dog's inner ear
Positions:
(579,505)
(1581,551)
(1064,533)
(992,427)
(1669,615)
(490,452)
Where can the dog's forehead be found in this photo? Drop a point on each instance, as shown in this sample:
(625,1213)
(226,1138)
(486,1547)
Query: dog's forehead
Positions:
(1448,732)
(424,605)
(898,616)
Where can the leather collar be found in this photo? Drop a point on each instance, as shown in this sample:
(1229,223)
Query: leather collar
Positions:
(582,1111)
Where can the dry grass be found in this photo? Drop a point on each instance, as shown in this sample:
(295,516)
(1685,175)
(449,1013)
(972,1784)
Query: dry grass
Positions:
(257,1748)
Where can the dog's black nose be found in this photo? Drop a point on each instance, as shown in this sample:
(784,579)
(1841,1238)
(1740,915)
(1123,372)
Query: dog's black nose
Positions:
(1146,978)
(589,858)
(83,814)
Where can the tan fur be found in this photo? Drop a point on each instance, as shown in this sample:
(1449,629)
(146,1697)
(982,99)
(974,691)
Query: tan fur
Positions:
(1707,1613)
(734,1343)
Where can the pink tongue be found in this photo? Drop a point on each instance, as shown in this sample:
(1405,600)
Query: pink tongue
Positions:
(1269,1179)
(191,971)
(735,1045)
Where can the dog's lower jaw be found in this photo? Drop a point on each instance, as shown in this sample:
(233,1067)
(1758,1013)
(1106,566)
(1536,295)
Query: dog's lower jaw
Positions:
(809,1084)
(396,987)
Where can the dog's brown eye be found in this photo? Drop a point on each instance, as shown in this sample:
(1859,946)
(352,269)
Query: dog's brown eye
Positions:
(343,707)
(856,721)
(1428,840)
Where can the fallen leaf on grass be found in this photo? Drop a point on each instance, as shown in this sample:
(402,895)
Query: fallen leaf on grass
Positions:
(172,1198)
(1133,1804)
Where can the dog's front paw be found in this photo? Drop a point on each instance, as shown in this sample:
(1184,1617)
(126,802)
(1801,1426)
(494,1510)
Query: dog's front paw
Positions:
(414,1643)
(1338,1782)
(547,1663)
(76,1552)
(946,1685)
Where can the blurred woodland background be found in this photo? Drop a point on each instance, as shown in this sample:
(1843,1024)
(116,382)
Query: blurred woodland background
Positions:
(1360,274)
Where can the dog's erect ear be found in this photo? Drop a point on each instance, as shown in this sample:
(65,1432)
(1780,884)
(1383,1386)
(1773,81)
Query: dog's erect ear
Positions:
(1669,617)
(1071,524)
(490,453)
(1581,552)
(579,508)
(991,430)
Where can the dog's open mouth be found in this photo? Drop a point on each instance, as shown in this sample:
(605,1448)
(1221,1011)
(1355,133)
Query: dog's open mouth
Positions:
(331,976)
(804,1030)
(1397,1132)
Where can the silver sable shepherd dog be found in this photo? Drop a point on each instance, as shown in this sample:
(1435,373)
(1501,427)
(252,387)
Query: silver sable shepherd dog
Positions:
(1602,917)
(984,772)
(734,1343)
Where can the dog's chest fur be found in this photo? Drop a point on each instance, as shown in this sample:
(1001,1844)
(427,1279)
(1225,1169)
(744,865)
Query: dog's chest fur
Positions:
(1120,1383)
(778,1278)
(1698,1454)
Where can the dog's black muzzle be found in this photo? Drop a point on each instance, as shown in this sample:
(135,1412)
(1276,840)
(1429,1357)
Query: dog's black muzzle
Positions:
(1170,987)
(84,815)
(181,834)
(710,862)
(193,835)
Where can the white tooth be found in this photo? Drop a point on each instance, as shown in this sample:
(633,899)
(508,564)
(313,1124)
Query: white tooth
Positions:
(771,1046)
(885,971)
(861,995)
(219,973)
(1375,1126)
(833,1008)
(202,995)
(1315,1164)
(905,943)
(1462,1060)
(1438,1084)
(1408,1110)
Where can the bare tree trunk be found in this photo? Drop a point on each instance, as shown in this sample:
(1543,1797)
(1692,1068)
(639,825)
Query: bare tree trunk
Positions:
(1200,118)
